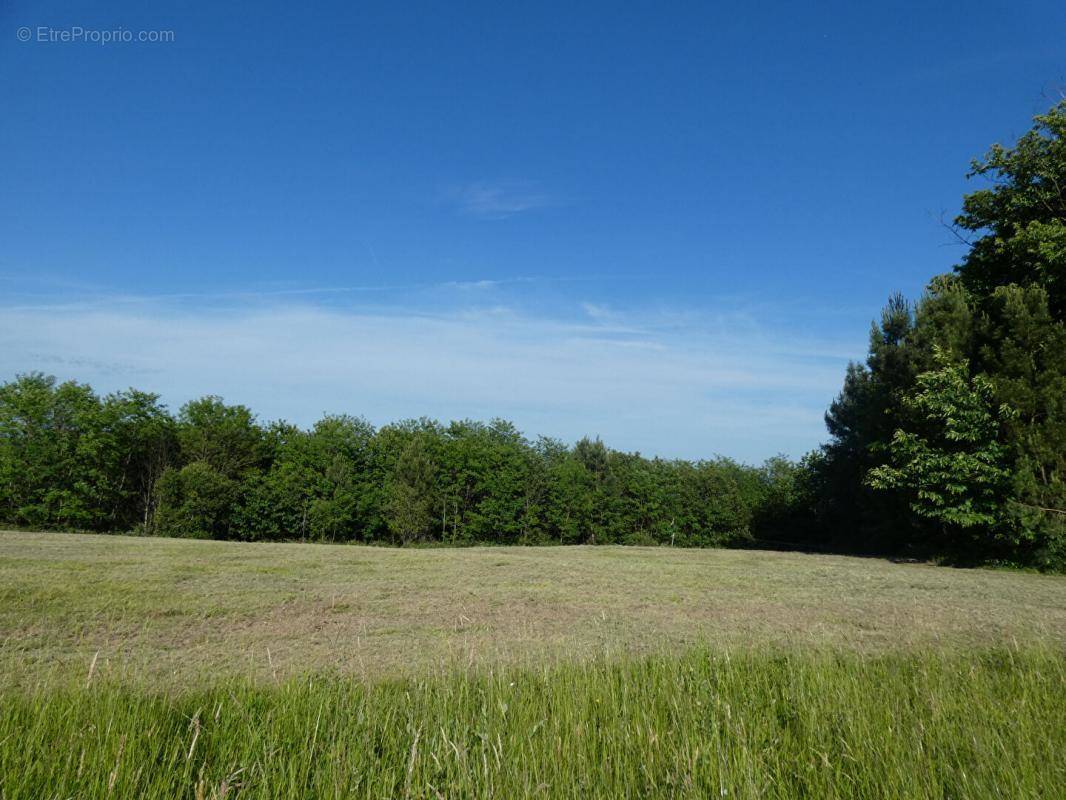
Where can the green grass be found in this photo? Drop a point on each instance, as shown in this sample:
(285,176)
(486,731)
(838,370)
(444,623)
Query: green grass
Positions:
(166,669)
(694,725)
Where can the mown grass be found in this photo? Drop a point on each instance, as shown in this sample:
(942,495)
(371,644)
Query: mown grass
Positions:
(187,613)
(700,724)
(151,668)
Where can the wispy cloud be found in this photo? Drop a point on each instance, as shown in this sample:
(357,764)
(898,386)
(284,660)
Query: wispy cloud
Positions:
(711,385)
(599,312)
(96,297)
(487,200)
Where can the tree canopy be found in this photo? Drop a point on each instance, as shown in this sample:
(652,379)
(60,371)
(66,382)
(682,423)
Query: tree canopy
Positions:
(71,459)
(951,438)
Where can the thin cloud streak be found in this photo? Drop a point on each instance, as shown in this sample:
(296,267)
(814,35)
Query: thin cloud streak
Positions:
(493,201)
(99,298)
(689,393)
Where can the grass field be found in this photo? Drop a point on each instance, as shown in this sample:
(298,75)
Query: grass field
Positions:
(167,668)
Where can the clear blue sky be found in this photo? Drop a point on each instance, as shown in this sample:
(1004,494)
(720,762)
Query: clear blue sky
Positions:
(666,225)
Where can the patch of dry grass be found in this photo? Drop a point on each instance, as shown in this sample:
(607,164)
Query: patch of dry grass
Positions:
(185,613)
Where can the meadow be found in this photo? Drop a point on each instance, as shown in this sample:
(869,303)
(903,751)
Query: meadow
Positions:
(146,667)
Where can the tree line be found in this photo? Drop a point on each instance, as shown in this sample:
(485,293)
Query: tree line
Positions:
(70,458)
(949,441)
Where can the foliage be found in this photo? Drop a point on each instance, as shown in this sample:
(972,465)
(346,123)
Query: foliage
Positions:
(949,462)
(316,487)
(195,501)
(225,437)
(71,459)
(410,492)
(899,466)
(1021,215)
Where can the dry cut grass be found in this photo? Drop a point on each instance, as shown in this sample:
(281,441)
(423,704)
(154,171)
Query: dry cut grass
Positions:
(187,613)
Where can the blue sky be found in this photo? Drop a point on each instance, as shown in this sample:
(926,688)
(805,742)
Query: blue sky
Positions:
(669,226)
